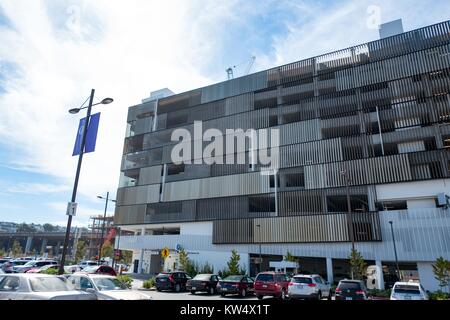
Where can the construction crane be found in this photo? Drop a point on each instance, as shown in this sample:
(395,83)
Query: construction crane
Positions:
(230,70)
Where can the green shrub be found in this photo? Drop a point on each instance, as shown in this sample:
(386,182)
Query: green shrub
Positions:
(150,283)
(126,280)
(380,293)
(206,268)
(439,295)
(50,271)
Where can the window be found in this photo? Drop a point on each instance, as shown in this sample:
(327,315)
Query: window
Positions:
(392,205)
(174,169)
(273,121)
(9,284)
(295,180)
(261,204)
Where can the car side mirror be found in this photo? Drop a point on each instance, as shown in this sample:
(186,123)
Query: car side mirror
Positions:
(90,290)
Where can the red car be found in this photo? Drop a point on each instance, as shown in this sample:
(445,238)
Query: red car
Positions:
(274,284)
(100,270)
(239,284)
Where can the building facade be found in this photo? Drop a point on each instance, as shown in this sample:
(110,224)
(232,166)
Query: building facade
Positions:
(369,123)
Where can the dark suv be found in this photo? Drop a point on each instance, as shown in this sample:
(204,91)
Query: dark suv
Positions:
(175,281)
(351,290)
(271,284)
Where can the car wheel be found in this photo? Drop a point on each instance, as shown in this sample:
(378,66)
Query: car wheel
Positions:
(192,292)
(319,296)
(243,293)
(259,297)
(211,290)
(283,294)
(177,287)
(222,294)
(330,294)
(158,289)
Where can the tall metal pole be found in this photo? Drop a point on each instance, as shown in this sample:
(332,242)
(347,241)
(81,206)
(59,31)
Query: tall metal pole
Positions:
(103,228)
(75,185)
(260,253)
(395,251)
(349,213)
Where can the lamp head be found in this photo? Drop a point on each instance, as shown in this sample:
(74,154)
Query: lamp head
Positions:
(74,110)
(107,101)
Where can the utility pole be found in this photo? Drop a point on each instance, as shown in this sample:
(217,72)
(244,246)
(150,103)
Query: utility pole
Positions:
(395,251)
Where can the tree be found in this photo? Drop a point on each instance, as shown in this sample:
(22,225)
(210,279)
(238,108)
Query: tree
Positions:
(48,227)
(289,257)
(187,264)
(441,270)
(2,252)
(81,251)
(23,227)
(16,249)
(107,250)
(126,256)
(233,264)
(357,264)
(183,259)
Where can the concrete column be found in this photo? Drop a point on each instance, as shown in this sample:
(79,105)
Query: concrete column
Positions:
(44,244)
(141,261)
(380,276)
(28,244)
(330,270)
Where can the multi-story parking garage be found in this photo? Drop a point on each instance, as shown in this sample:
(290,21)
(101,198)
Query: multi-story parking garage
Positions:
(373,118)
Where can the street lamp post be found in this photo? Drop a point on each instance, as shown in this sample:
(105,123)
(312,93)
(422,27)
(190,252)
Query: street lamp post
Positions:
(77,175)
(260,253)
(349,212)
(104,221)
(395,250)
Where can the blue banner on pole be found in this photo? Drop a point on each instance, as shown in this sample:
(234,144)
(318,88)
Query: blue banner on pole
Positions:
(91,135)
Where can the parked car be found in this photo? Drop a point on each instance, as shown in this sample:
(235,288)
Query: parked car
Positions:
(237,284)
(203,283)
(100,270)
(175,281)
(33,264)
(309,287)
(33,286)
(351,290)
(273,284)
(7,267)
(3,260)
(87,263)
(408,291)
(105,287)
(44,268)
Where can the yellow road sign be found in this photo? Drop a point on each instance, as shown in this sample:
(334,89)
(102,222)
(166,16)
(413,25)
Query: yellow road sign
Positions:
(165,252)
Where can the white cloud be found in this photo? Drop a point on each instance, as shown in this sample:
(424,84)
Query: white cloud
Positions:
(322,27)
(130,49)
(36,188)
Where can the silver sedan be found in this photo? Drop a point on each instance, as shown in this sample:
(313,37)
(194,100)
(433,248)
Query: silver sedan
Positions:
(105,287)
(37,286)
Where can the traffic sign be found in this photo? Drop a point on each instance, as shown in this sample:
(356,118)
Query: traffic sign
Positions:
(71,209)
(165,252)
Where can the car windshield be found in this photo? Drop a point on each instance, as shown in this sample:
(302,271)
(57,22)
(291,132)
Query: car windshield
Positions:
(347,285)
(407,289)
(233,278)
(305,280)
(29,263)
(264,277)
(49,284)
(90,269)
(204,277)
(107,284)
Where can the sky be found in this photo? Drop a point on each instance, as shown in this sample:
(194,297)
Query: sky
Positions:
(52,53)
